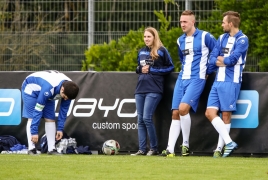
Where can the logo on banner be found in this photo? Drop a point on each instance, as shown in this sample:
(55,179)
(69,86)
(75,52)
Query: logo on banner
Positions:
(246,114)
(10,106)
(89,106)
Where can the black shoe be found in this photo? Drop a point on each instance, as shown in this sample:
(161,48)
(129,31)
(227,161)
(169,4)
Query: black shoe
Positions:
(32,152)
(152,153)
(139,153)
(53,152)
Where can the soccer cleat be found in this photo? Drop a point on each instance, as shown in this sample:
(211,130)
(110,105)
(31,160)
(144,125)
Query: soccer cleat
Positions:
(32,152)
(166,153)
(184,150)
(152,153)
(229,148)
(217,154)
(53,152)
(139,153)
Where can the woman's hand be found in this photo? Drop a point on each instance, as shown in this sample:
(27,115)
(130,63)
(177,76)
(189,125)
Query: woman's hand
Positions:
(145,69)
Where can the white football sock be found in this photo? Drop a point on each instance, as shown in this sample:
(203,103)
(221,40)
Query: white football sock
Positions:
(185,128)
(50,128)
(220,140)
(174,132)
(220,127)
(31,145)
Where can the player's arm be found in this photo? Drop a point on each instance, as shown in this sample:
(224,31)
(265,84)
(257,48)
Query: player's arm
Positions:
(212,66)
(241,47)
(210,42)
(64,107)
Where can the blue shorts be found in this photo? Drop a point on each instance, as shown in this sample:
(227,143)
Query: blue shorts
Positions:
(188,91)
(29,103)
(223,96)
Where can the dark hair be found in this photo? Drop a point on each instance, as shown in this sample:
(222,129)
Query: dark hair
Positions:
(233,17)
(70,89)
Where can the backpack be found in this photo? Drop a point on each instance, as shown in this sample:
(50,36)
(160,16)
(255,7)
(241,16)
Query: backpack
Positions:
(43,142)
(7,141)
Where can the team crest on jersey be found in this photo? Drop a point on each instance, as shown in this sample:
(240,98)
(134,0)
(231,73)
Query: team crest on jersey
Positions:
(46,94)
(242,41)
(211,36)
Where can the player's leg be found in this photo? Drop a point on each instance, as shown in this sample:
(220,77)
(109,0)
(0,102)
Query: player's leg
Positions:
(185,127)
(175,126)
(226,117)
(31,145)
(194,89)
(213,106)
(228,105)
(28,108)
(50,127)
(217,99)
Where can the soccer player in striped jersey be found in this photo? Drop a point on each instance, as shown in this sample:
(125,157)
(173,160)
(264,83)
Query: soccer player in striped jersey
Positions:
(39,92)
(194,47)
(229,58)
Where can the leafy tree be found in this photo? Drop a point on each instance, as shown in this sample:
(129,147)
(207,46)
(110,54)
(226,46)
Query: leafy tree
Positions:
(254,23)
(121,55)
(37,35)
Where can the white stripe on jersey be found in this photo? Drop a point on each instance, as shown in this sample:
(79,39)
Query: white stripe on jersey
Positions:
(189,44)
(204,58)
(52,77)
(32,87)
(230,44)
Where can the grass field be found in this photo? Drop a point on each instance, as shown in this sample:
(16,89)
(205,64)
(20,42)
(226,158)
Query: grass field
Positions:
(95,167)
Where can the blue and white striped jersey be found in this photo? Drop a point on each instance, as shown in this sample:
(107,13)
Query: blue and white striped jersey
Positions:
(193,52)
(45,86)
(234,50)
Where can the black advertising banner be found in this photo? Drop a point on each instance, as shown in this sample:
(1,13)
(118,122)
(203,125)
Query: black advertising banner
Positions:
(105,109)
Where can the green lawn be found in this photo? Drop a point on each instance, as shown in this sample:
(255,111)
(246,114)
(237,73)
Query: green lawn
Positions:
(69,167)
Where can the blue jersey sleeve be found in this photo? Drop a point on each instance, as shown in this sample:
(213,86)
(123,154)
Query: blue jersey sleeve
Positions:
(210,41)
(180,54)
(241,47)
(213,58)
(64,107)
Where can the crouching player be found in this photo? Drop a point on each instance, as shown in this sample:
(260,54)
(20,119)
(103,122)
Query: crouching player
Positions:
(39,92)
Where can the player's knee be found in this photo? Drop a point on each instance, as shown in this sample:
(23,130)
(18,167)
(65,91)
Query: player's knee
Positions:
(175,114)
(183,112)
(209,114)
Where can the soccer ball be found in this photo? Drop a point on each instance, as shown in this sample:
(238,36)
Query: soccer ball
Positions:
(110,147)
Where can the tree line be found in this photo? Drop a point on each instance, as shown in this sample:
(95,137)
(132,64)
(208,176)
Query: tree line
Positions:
(52,34)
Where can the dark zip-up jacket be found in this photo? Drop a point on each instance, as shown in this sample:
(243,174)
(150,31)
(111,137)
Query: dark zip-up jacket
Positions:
(153,82)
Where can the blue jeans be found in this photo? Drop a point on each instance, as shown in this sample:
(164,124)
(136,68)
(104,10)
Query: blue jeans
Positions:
(146,105)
